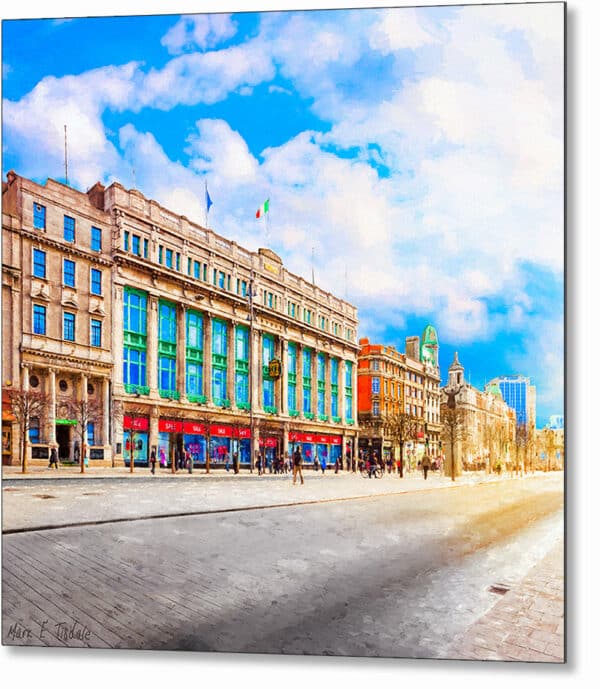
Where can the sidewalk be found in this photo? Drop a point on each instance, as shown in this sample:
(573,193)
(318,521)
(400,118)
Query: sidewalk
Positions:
(526,624)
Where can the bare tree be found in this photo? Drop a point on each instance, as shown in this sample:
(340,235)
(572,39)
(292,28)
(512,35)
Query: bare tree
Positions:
(84,412)
(401,428)
(521,442)
(205,420)
(454,430)
(26,405)
(133,411)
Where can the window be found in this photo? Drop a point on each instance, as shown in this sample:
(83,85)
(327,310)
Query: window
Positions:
(375,365)
(375,408)
(242,336)
(166,373)
(69,326)
(219,384)
(34,429)
(178,261)
(134,366)
(193,378)
(39,216)
(197,270)
(134,311)
(292,397)
(39,319)
(194,330)
(169,258)
(95,333)
(219,343)
(39,263)
(221,280)
(375,386)
(96,281)
(306,399)
(135,244)
(90,433)
(68,273)
(167,322)
(244,288)
(126,240)
(160,254)
(69,229)
(145,248)
(292,365)
(306,363)
(96,240)
(242,395)
(268,352)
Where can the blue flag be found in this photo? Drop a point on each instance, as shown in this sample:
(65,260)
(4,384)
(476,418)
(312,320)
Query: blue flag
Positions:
(209,202)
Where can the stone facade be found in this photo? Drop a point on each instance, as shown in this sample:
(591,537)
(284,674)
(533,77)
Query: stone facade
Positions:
(391,383)
(489,425)
(184,359)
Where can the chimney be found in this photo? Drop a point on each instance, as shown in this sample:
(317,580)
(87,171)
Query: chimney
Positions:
(96,196)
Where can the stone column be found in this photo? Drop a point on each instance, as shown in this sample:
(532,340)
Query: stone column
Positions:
(283,409)
(117,337)
(153,430)
(230,379)
(25,388)
(207,358)
(313,383)
(106,414)
(328,386)
(152,347)
(286,439)
(181,336)
(51,432)
(355,394)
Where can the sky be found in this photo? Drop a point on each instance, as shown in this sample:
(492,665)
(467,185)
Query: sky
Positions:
(413,157)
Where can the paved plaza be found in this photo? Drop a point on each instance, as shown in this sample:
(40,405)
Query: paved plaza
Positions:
(340,566)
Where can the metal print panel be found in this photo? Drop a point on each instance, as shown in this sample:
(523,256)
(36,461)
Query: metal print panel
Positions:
(282,343)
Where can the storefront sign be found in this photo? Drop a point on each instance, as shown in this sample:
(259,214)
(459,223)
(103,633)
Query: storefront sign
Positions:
(168,426)
(139,423)
(194,428)
(296,436)
(268,442)
(223,431)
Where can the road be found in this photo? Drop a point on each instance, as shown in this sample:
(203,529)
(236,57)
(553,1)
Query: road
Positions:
(394,575)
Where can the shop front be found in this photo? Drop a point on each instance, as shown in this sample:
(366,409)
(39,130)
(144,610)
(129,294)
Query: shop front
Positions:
(317,446)
(135,432)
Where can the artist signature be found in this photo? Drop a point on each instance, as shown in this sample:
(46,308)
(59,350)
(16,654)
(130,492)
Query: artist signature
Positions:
(44,631)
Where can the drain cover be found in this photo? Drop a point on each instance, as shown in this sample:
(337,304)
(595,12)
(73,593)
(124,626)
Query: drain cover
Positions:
(500,589)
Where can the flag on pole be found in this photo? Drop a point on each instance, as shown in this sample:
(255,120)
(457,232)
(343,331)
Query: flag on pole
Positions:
(209,202)
(263,210)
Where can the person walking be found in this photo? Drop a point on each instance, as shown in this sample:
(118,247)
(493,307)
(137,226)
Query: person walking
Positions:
(323,464)
(53,459)
(425,465)
(297,459)
(153,461)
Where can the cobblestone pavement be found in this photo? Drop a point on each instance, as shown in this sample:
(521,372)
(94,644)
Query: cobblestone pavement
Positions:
(397,575)
(526,624)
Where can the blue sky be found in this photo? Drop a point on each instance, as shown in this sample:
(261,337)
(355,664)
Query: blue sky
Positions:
(419,151)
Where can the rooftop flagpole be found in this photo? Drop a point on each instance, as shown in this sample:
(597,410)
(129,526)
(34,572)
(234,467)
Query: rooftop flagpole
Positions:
(66,159)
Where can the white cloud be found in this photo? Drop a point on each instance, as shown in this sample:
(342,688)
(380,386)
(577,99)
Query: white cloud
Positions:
(399,30)
(199,31)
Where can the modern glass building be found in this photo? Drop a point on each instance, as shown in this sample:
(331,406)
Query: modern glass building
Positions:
(519,394)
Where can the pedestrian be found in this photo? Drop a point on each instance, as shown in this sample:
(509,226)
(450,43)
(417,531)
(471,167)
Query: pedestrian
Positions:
(153,461)
(297,460)
(53,459)
(323,464)
(236,463)
(163,459)
(337,465)
(316,464)
(425,466)
(227,461)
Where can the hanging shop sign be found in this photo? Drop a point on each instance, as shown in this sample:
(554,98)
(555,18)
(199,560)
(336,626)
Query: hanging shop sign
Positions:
(275,368)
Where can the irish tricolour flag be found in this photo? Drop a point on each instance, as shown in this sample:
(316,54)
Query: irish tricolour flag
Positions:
(263,210)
